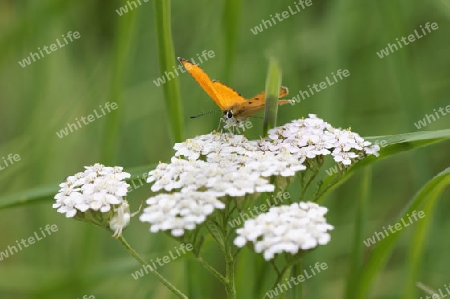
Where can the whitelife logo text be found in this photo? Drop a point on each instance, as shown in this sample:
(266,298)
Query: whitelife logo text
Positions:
(53,47)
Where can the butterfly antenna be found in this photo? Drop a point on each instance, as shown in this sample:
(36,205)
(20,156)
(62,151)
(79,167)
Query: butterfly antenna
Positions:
(209,112)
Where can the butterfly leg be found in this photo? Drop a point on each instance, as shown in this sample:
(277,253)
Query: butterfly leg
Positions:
(220,127)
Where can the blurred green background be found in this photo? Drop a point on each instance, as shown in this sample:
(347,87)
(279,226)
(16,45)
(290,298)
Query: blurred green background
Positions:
(116,59)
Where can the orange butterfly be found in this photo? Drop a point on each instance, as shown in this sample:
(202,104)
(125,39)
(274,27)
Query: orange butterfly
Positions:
(235,108)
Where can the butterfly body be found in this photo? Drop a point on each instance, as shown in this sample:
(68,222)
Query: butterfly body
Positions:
(235,108)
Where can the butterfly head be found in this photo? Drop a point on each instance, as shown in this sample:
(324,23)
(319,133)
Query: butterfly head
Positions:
(227,115)
(230,119)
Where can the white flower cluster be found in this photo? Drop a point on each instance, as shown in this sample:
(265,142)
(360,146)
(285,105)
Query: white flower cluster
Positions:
(223,164)
(208,167)
(179,211)
(312,136)
(230,165)
(97,188)
(200,175)
(299,226)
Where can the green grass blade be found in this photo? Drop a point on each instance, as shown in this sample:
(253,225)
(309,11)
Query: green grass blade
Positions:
(230,26)
(383,249)
(396,144)
(273,84)
(111,134)
(415,255)
(167,62)
(409,96)
(357,255)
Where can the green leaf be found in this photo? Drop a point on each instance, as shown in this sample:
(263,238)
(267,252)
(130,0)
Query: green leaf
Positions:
(415,254)
(383,249)
(273,83)
(357,255)
(167,62)
(230,26)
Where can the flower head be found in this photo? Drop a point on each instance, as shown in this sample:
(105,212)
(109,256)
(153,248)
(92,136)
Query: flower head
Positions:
(299,226)
(311,137)
(97,189)
(220,165)
(179,211)
(223,164)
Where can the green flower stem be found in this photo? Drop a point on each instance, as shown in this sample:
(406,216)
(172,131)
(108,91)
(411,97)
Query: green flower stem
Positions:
(306,185)
(212,270)
(230,284)
(156,273)
(297,292)
(322,192)
(284,273)
(216,237)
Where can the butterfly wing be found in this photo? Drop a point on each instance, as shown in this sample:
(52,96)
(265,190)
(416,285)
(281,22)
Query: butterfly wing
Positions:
(229,96)
(257,103)
(205,82)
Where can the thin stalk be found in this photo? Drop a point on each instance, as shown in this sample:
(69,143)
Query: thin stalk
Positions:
(230,285)
(297,291)
(212,270)
(156,273)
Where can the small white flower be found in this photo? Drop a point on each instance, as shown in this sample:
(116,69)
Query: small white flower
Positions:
(299,226)
(179,211)
(344,157)
(372,150)
(98,188)
(121,218)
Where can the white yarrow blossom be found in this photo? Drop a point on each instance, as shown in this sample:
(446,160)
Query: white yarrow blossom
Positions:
(223,164)
(179,211)
(288,228)
(311,137)
(98,188)
(231,165)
